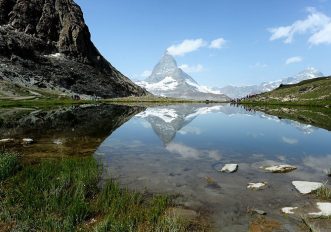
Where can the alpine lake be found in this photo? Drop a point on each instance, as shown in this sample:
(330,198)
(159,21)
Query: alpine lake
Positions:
(179,150)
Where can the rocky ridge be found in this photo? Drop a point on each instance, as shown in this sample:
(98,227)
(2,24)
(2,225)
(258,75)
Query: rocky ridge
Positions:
(46,44)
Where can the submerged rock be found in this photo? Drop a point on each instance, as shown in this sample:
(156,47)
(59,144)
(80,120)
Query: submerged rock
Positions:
(325,210)
(27,141)
(57,142)
(229,168)
(282,168)
(186,214)
(305,187)
(6,140)
(258,211)
(289,210)
(257,186)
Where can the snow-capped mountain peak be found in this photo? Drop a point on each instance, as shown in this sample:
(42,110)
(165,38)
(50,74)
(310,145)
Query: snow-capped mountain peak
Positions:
(168,80)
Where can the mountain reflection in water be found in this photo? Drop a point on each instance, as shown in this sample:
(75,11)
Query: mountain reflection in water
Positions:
(175,149)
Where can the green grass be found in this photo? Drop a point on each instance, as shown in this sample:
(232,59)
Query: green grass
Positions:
(52,102)
(64,195)
(316,116)
(8,164)
(155,99)
(323,193)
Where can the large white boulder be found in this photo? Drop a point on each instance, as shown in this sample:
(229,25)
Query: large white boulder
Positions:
(306,187)
(325,210)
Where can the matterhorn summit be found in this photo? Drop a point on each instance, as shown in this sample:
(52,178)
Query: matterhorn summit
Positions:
(168,80)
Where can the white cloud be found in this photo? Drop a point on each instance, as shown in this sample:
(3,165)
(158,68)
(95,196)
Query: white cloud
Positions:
(317,24)
(146,73)
(291,141)
(258,65)
(191,69)
(295,59)
(187,152)
(190,130)
(217,43)
(323,36)
(187,46)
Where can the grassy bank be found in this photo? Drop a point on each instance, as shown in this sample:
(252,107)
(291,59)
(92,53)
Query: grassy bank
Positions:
(277,103)
(313,115)
(8,164)
(64,195)
(48,103)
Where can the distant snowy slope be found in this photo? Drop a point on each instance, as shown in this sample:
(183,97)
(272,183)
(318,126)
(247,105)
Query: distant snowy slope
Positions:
(242,91)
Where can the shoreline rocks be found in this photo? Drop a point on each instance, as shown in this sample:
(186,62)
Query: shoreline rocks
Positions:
(306,187)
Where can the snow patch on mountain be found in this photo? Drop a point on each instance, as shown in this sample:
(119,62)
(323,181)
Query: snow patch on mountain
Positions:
(201,88)
(168,83)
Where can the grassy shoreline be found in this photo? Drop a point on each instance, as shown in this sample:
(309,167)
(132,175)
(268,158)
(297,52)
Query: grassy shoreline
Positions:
(321,104)
(49,102)
(65,195)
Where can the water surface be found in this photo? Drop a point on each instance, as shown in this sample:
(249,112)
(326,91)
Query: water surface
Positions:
(175,149)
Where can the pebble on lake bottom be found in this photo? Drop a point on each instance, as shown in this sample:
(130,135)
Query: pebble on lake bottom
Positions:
(257,186)
(289,210)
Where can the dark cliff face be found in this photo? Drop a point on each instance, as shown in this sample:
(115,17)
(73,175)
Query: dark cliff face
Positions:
(31,30)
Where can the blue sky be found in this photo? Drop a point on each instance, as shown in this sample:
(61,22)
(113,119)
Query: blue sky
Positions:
(254,41)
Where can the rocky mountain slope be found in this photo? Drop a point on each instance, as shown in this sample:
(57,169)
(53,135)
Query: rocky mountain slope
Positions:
(170,81)
(243,91)
(309,92)
(46,44)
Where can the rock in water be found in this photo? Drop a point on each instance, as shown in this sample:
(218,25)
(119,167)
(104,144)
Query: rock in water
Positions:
(306,187)
(325,210)
(230,168)
(257,186)
(288,210)
(6,140)
(46,44)
(27,141)
(282,168)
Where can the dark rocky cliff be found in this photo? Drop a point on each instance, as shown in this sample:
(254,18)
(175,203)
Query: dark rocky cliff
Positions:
(46,44)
